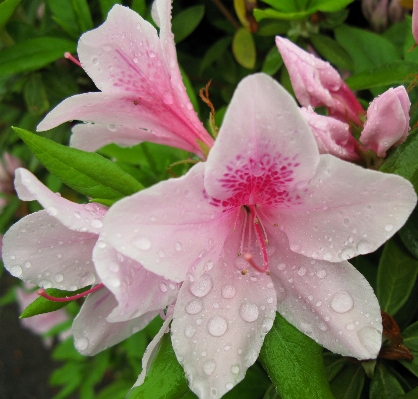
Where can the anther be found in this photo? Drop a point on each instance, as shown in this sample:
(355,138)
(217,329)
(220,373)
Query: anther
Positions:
(71,58)
(43,293)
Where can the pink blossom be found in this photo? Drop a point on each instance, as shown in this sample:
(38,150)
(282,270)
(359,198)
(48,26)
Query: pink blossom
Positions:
(380,12)
(39,324)
(332,136)
(8,165)
(58,248)
(142,96)
(387,122)
(317,83)
(265,224)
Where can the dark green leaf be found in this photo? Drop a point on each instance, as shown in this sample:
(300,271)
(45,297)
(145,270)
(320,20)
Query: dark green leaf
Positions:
(410,395)
(395,277)
(397,72)
(88,173)
(186,22)
(66,351)
(349,383)
(82,13)
(35,95)
(409,233)
(410,336)
(8,212)
(333,364)
(332,51)
(116,390)
(411,366)
(215,52)
(139,6)
(106,5)
(6,10)
(384,384)
(294,363)
(63,14)
(43,305)
(33,54)
(165,378)
(243,48)
(272,62)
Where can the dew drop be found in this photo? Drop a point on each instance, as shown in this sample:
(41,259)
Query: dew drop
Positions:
(101,244)
(249,312)
(270,300)
(321,273)
(235,369)
(240,263)
(142,243)
(163,287)
(327,256)
(342,302)
(348,253)
(322,327)
(115,282)
(51,210)
(389,227)
(27,264)
(45,284)
(194,306)
(217,326)
(228,291)
(229,385)
(346,221)
(95,60)
(189,331)
(202,286)
(364,247)
(59,277)
(267,324)
(168,98)
(81,344)
(77,215)
(209,367)
(113,266)
(257,169)
(16,270)
(178,246)
(350,327)
(281,266)
(302,271)
(87,278)
(96,224)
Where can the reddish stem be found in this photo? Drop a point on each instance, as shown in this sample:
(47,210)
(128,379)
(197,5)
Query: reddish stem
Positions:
(43,293)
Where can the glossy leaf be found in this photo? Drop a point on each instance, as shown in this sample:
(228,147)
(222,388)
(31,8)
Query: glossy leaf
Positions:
(43,305)
(333,364)
(6,10)
(349,383)
(294,363)
(396,276)
(186,22)
(332,51)
(243,48)
(35,95)
(384,384)
(409,233)
(411,366)
(33,54)
(88,173)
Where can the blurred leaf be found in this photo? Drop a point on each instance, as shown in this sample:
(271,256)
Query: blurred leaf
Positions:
(33,54)
(94,374)
(409,233)
(43,305)
(410,395)
(190,90)
(139,6)
(273,27)
(63,14)
(243,48)
(214,53)
(410,336)
(9,296)
(65,350)
(411,366)
(402,161)
(333,364)
(6,11)
(106,5)
(272,62)
(186,22)
(82,13)
(35,95)
(332,51)
(88,173)
(396,276)
(294,363)
(116,390)
(397,72)
(384,384)
(367,49)
(242,10)
(8,212)
(349,383)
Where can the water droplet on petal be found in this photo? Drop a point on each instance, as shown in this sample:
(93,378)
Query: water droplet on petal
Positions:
(228,291)
(101,244)
(240,263)
(249,312)
(217,326)
(194,306)
(342,302)
(142,243)
(189,331)
(95,60)
(327,256)
(350,326)
(364,247)
(348,253)
(202,286)
(51,210)
(321,273)
(168,98)
(257,169)
(229,385)
(371,339)
(59,277)
(16,270)
(45,284)
(235,369)
(267,324)
(81,344)
(27,264)
(113,266)
(96,223)
(302,271)
(77,215)
(281,266)
(178,246)
(389,227)
(209,366)
(163,287)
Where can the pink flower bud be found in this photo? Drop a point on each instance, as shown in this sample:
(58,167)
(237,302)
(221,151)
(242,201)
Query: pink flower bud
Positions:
(317,83)
(387,122)
(332,136)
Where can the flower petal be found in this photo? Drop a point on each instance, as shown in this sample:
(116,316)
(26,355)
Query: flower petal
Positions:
(77,217)
(220,321)
(330,302)
(136,289)
(170,227)
(92,333)
(345,211)
(262,131)
(40,250)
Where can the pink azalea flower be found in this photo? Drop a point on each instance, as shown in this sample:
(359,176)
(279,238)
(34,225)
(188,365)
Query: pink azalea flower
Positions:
(387,122)
(8,165)
(39,324)
(265,224)
(317,83)
(332,136)
(142,96)
(55,248)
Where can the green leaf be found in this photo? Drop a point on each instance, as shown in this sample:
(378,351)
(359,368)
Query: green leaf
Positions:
(349,383)
(82,13)
(6,11)
(396,276)
(139,6)
(243,48)
(397,72)
(35,95)
(186,22)
(413,394)
(410,336)
(411,366)
(384,384)
(409,233)
(332,51)
(116,390)
(272,62)
(214,53)
(402,161)
(333,364)
(165,378)
(33,54)
(63,14)
(106,5)
(88,173)
(42,305)
(294,363)
(65,351)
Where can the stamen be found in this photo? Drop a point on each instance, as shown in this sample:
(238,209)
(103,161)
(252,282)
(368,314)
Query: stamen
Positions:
(241,248)
(250,259)
(71,58)
(261,241)
(43,293)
